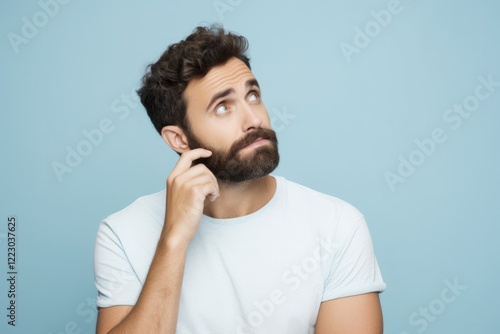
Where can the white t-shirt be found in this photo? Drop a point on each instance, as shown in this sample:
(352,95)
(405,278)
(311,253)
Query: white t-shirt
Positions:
(266,272)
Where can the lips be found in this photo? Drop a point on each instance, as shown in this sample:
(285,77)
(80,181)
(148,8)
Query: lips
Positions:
(254,142)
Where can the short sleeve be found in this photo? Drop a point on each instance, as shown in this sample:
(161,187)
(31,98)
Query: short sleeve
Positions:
(115,280)
(353,269)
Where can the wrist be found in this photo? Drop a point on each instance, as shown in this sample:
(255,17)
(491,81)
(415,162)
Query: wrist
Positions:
(174,241)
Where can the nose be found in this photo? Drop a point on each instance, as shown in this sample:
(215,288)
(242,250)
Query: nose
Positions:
(251,118)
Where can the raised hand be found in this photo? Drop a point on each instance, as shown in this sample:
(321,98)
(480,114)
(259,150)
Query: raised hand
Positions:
(187,188)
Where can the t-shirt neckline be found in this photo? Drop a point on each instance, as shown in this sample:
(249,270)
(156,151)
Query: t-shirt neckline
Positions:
(238,220)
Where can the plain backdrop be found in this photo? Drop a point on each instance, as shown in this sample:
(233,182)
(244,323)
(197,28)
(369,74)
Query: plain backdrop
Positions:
(392,106)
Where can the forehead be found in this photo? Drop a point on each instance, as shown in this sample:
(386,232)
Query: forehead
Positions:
(221,77)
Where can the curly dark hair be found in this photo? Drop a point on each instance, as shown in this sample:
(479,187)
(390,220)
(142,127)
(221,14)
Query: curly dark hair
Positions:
(164,83)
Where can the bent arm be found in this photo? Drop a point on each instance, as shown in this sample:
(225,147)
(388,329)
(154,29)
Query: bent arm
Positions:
(157,307)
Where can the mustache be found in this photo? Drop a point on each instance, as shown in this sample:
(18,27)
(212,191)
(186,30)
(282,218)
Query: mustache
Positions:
(252,137)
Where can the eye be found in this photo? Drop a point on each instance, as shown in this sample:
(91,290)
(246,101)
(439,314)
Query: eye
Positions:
(221,109)
(254,96)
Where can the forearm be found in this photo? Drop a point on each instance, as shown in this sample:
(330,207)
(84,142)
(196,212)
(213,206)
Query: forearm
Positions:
(156,310)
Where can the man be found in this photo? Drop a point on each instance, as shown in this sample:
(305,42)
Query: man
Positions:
(227,247)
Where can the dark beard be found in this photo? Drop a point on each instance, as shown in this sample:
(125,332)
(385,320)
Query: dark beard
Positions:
(230,167)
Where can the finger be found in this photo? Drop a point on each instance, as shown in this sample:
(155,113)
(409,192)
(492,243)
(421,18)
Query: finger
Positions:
(211,191)
(195,171)
(212,197)
(198,176)
(187,158)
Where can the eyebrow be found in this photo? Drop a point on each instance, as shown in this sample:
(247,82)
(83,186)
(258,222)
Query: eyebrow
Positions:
(250,83)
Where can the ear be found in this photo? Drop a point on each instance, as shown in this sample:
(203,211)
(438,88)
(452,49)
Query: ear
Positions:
(175,138)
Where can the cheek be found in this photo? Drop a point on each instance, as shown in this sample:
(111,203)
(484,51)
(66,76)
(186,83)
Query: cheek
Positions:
(218,135)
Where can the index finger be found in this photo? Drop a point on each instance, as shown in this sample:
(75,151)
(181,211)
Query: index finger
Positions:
(187,158)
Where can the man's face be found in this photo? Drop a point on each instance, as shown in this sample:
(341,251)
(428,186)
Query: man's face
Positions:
(226,116)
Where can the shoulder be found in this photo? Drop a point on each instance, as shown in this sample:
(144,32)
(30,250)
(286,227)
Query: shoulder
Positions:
(306,197)
(146,211)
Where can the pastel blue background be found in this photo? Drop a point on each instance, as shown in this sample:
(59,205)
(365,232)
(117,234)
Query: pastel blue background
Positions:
(351,122)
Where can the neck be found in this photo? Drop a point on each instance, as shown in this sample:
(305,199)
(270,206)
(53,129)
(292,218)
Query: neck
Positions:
(241,199)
